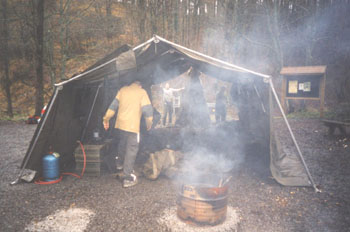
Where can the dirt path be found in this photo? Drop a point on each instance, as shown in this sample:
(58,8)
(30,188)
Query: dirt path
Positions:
(101,204)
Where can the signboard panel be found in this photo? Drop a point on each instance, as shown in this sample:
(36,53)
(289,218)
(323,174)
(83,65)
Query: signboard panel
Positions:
(303,86)
(304,83)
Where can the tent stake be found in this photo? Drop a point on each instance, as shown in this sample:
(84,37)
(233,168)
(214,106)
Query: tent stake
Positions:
(57,89)
(293,137)
(88,119)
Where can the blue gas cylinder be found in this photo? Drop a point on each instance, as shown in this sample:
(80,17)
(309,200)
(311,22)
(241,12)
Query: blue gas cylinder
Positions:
(51,167)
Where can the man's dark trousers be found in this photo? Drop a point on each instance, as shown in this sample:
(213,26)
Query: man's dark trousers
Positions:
(168,109)
(125,146)
(128,147)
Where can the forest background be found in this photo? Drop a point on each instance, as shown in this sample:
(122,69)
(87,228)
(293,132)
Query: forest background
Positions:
(45,42)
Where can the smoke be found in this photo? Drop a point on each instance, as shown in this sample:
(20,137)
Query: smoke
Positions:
(211,154)
(262,39)
(260,45)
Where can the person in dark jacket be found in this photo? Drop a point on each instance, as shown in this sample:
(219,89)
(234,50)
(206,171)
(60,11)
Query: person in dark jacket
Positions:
(220,106)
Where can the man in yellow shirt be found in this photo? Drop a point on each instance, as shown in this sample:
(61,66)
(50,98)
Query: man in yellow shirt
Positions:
(131,101)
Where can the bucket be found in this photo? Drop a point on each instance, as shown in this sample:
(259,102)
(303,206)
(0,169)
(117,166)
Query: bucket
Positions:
(201,204)
(51,167)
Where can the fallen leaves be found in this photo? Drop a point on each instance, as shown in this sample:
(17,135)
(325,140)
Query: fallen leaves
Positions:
(282,201)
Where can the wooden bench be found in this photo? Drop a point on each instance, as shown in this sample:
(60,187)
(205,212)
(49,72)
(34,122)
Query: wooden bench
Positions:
(333,124)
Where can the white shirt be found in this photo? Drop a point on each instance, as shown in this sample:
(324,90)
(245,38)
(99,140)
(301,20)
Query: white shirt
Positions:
(168,94)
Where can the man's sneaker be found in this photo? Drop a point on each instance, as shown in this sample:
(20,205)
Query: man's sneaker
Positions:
(130,181)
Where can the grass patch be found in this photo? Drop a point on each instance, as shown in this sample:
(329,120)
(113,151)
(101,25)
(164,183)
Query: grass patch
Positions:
(304,114)
(16,117)
(312,114)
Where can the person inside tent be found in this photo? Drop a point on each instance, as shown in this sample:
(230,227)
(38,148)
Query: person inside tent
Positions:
(220,106)
(131,101)
(168,97)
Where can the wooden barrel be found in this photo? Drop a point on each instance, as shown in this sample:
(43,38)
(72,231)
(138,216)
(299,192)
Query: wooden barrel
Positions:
(202,204)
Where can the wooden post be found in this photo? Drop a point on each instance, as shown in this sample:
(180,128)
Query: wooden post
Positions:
(322,94)
(283,94)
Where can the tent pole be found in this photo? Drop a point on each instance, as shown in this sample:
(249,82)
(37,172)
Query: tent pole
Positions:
(57,89)
(88,119)
(143,44)
(156,41)
(293,137)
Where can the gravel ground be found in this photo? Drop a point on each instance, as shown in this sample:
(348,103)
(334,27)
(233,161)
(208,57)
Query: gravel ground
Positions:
(261,203)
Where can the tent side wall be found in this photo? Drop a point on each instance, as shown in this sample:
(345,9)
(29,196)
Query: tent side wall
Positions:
(42,126)
(286,167)
(62,129)
(252,100)
(64,123)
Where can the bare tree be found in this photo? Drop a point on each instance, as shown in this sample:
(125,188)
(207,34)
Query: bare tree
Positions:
(63,32)
(5,81)
(39,48)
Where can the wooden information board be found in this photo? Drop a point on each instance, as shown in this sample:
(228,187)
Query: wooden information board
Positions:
(304,83)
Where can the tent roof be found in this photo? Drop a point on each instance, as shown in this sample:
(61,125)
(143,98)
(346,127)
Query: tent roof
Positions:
(167,57)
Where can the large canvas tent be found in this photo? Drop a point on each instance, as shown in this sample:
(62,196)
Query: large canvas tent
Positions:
(77,105)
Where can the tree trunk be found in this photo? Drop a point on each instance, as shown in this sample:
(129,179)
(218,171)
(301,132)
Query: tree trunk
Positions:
(39,85)
(6,81)
(183,24)
(176,22)
(198,18)
(62,38)
(273,17)
(109,20)
(142,17)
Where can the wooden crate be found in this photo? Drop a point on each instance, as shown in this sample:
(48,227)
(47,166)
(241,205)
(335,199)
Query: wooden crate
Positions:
(94,158)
